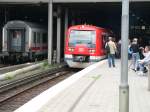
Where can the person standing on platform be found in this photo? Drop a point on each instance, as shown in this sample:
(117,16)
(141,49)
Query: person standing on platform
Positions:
(112,50)
(135,54)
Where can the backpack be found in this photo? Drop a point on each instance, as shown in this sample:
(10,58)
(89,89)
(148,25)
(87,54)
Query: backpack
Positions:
(130,51)
(107,48)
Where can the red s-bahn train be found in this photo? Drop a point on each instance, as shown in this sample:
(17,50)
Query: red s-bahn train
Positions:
(85,45)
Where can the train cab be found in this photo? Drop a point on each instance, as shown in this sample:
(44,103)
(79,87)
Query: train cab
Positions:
(85,45)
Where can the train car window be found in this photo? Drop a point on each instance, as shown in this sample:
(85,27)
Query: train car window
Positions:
(44,37)
(38,37)
(34,37)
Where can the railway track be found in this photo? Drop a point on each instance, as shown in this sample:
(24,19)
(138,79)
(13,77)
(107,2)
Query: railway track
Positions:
(9,68)
(14,98)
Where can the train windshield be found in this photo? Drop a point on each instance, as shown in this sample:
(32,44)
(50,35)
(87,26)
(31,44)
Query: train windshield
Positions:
(87,37)
(17,40)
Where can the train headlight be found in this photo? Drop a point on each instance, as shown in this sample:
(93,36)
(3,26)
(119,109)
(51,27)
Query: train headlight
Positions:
(71,49)
(92,51)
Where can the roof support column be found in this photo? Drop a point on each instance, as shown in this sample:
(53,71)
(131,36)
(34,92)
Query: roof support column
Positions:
(58,35)
(124,87)
(66,21)
(50,31)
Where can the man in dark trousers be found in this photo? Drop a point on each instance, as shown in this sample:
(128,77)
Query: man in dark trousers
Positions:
(135,53)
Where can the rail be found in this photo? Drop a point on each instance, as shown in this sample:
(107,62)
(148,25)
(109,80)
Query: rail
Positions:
(32,75)
(12,74)
(44,97)
(29,83)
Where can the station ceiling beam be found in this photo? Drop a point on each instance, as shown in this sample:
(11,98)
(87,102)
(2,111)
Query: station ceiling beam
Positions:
(87,1)
(22,1)
(65,1)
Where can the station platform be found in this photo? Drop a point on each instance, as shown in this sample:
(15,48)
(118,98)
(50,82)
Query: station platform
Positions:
(94,89)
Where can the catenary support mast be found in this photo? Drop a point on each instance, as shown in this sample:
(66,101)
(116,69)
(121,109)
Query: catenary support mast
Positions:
(124,87)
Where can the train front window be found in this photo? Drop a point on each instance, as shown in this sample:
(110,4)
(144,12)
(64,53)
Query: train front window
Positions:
(87,37)
(16,39)
(16,34)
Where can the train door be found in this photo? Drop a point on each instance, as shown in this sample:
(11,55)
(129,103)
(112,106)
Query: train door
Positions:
(16,40)
(104,40)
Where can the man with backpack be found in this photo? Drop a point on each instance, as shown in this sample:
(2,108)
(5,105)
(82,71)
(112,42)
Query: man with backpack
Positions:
(110,50)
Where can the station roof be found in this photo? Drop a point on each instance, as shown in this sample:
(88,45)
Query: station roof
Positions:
(65,1)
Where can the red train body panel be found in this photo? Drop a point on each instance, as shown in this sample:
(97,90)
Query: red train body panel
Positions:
(85,45)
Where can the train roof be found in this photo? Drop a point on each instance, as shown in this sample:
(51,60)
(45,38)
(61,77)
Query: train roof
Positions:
(18,23)
(90,27)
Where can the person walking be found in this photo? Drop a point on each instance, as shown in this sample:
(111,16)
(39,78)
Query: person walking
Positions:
(135,54)
(111,54)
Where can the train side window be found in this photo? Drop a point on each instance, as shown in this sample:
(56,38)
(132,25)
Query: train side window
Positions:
(44,37)
(34,37)
(38,37)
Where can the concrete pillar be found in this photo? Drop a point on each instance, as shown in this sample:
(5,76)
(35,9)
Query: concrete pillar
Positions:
(50,31)
(66,22)
(58,35)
